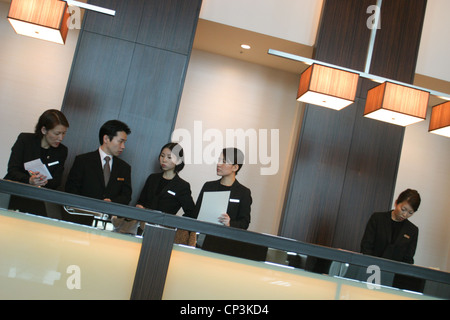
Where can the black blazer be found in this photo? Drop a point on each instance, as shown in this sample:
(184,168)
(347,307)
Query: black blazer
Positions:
(239,205)
(86,179)
(238,209)
(27,148)
(175,195)
(377,239)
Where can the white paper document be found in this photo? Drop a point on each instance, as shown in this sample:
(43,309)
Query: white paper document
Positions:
(213,205)
(38,166)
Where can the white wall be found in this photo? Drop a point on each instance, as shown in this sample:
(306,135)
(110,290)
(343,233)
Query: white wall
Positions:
(434,51)
(223,93)
(293,20)
(34,74)
(33,79)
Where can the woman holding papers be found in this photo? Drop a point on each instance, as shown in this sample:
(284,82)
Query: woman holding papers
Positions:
(165,191)
(43,147)
(237,211)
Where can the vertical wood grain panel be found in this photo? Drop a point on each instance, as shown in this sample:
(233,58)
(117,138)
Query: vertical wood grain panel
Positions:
(312,207)
(95,89)
(153,263)
(168,24)
(370,177)
(337,183)
(376,146)
(144,94)
(115,76)
(397,44)
(343,33)
(124,25)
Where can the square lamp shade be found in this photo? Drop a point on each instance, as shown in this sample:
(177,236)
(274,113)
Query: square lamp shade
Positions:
(440,119)
(327,87)
(42,19)
(396,104)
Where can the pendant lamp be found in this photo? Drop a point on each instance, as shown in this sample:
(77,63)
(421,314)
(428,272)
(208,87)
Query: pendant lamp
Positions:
(440,120)
(327,87)
(396,104)
(42,19)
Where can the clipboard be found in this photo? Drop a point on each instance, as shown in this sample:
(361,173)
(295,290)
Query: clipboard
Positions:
(213,205)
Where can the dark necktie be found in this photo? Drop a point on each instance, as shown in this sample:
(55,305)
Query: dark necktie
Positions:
(106,170)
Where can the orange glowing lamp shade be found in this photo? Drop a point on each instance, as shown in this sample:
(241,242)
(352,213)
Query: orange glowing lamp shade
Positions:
(396,104)
(327,87)
(440,120)
(42,19)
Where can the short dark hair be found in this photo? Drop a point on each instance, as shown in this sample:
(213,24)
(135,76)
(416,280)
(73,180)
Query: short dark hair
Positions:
(50,119)
(234,156)
(412,197)
(110,128)
(177,150)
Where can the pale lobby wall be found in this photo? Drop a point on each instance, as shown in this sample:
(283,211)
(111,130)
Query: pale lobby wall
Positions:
(33,78)
(34,75)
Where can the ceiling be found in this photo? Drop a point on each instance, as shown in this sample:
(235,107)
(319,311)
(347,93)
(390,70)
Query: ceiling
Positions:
(226,40)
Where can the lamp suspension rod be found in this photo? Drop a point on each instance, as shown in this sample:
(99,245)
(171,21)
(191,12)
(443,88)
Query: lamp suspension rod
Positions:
(90,7)
(369,76)
(373,35)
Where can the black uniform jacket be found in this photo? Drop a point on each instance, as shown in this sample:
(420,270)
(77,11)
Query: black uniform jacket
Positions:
(174,195)
(27,148)
(86,179)
(239,204)
(377,240)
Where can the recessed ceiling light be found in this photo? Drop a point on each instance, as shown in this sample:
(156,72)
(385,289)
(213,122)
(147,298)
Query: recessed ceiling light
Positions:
(245,46)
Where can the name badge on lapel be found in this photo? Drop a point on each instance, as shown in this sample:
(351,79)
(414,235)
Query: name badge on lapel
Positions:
(52,163)
(120,179)
(234,200)
(171,192)
(406,236)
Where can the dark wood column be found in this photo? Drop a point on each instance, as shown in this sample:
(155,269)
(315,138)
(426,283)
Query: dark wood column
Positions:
(346,165)
(153,263)
(130,67)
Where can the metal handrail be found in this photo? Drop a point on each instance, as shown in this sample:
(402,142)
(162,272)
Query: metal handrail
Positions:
(185,223)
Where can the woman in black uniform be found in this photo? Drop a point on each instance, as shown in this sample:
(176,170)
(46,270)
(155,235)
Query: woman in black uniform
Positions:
(238,210)
(166,191)
(44,144)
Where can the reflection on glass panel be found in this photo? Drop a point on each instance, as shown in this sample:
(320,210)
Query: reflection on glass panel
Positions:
(204,275)
(48,259)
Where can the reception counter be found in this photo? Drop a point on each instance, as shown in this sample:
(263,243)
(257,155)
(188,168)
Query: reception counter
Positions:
(48,258)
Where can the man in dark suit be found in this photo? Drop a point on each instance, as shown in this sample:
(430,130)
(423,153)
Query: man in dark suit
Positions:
(87,178)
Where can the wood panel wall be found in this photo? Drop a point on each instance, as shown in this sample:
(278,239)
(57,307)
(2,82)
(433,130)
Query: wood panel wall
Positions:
(346,165)
(130,67)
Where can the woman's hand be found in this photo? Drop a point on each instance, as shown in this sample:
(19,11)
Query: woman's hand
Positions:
(37,179)
(224,219)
